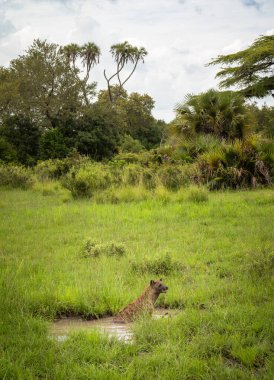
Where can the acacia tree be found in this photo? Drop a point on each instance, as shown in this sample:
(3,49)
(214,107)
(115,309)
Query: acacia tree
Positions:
(123,53)
(252,69)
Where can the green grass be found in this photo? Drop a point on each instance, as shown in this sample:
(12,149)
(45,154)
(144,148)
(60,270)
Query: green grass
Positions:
(224,245)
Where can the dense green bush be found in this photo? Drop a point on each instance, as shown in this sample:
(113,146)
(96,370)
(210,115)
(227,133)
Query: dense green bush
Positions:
(149,178)
(172,176)
(56,168)
(51,169)
(133,174)
(86,180)
(16,176)
(235,165)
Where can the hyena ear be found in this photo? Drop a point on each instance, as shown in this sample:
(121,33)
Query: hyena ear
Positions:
(161,279)
(152,282)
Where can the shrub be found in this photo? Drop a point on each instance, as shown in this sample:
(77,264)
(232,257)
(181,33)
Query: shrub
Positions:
(197,194)
(149,179)
(171,177)
(132,174)
(16,176)
(131,145)
(160,266)
(51,169)
(235,165)
(92,249)
(56,168)
(88,179)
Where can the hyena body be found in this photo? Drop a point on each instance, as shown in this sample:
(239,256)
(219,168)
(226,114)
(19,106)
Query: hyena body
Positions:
(144,303)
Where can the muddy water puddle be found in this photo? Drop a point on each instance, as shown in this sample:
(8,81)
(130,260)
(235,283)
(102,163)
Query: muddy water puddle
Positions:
(61,328)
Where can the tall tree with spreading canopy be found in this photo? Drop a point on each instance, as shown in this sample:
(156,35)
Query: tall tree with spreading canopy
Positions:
(123,53)
(251,70)
(40,85)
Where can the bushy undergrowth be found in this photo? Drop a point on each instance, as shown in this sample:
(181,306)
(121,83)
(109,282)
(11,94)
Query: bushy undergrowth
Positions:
(213,163)
(16,176)
(88,179)
(53,169)
(240,164)
(92,249)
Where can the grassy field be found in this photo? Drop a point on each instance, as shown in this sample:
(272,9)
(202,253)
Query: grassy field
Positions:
(216,257)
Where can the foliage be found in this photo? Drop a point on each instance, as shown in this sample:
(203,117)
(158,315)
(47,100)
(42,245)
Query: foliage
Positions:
(172,176)
(44,85)
(99,135)
(235,165)
(83,182)
(23,136)
(131,145)
(123,53)
(93,249)
(150,178)
(219,113)
(7,152)
(16,176)
(250,69)
(132,174)
(56,168)
(262,119)
(52,145)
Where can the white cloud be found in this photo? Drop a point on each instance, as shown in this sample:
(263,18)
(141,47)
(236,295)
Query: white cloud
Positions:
(181,36)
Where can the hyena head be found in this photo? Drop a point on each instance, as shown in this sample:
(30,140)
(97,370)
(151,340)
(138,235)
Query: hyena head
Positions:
(158,286)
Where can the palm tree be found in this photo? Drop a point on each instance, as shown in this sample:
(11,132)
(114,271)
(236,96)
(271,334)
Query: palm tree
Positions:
(72,52)
(122,54)
(90,54)
(220,113)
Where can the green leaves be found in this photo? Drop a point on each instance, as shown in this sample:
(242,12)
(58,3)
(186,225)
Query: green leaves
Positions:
(251,69)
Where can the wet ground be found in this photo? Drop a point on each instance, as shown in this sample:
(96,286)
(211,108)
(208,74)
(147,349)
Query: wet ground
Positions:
(122,331)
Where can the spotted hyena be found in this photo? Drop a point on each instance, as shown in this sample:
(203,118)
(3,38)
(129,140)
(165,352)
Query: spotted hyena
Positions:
(143,303)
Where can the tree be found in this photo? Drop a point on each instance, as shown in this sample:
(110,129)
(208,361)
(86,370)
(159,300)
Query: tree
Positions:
(220,113)
(133,115)
(98,135)
(41,85)
(251,69)
(141,124)
(263,119)
(23,136)
(89,55)
(52,145)
(122,54)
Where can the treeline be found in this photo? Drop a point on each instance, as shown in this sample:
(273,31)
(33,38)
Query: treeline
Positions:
(50,110)
(49,106)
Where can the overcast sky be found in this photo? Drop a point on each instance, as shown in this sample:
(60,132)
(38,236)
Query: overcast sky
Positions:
(181,36)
